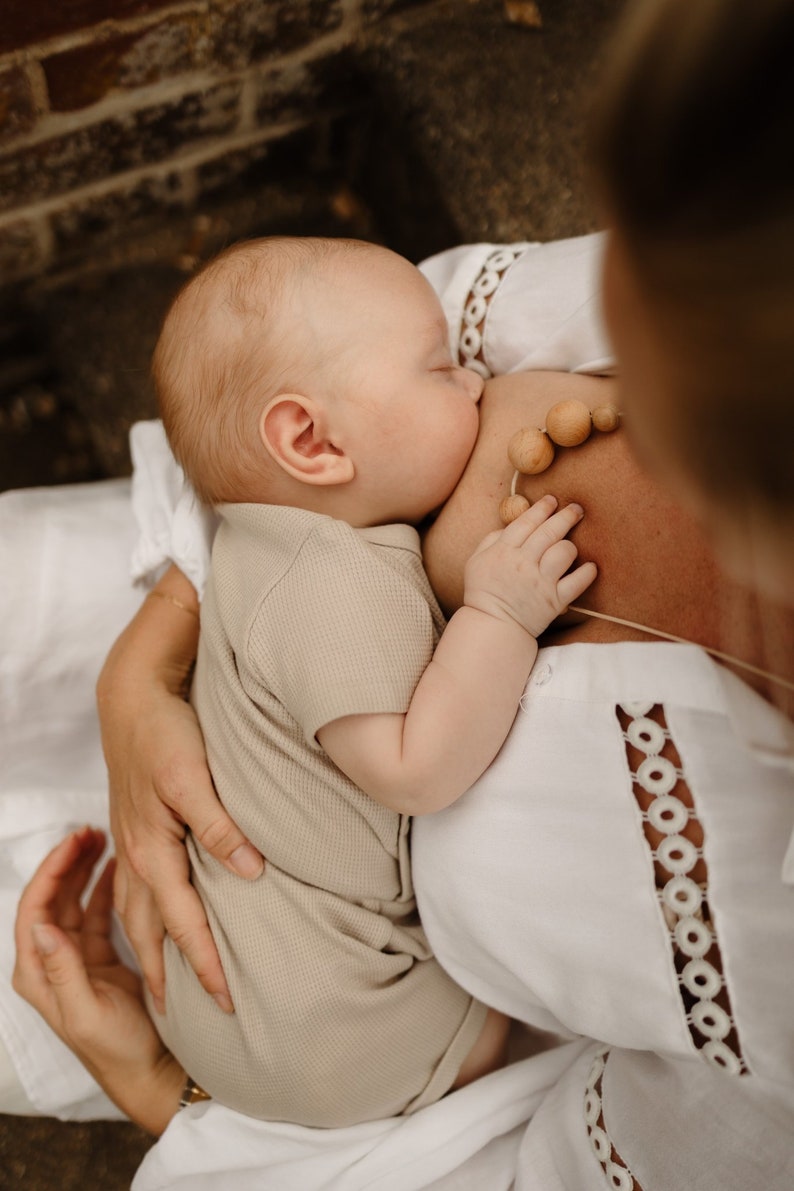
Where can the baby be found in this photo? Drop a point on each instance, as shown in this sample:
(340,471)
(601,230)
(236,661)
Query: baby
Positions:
(308,391)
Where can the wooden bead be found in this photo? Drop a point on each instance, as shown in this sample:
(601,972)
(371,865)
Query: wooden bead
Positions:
(568,423)
(606,417)
(512,507)
(530,451)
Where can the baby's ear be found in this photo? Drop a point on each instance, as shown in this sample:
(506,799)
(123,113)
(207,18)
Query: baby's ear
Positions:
(294,431)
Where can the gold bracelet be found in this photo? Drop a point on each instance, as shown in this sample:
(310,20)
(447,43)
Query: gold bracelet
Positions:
(164,595)
(192,1094)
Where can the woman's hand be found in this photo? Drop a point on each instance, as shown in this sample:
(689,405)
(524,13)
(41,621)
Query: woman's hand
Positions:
(68,969)
(159,784)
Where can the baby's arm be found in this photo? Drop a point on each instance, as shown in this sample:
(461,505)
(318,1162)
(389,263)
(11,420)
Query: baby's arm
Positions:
(466,700)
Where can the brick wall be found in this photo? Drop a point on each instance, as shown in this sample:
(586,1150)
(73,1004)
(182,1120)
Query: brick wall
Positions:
(114,112)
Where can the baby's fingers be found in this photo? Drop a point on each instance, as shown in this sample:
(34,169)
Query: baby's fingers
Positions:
(518,532)
(540,526)
(570,587)
(555,561)
(554,528)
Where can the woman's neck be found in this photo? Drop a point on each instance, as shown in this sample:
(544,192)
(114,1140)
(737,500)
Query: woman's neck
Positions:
(655,565)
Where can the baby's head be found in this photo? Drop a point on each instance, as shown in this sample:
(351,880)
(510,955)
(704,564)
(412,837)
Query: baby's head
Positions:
(315,372)
(229,342)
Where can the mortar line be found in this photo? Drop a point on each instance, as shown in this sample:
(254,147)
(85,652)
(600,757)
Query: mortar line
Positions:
(55,124)
(179,164)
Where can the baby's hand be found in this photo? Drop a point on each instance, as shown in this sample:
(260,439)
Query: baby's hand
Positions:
(519,572)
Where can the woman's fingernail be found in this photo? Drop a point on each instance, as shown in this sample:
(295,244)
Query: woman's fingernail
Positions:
(43,939)
(246,861)
(577,508)
(224,1002)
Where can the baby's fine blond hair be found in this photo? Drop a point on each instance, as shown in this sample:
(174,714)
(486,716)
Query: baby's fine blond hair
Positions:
(231,341)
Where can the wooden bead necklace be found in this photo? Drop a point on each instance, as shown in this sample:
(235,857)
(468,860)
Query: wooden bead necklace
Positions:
(531,451)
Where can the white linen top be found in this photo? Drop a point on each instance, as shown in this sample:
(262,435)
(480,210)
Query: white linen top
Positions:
(538,893)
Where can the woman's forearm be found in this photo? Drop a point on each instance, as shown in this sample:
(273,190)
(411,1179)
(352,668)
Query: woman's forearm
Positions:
(157,648)
(160,786)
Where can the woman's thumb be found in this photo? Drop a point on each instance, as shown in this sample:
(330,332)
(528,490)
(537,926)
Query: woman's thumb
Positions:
(59,959)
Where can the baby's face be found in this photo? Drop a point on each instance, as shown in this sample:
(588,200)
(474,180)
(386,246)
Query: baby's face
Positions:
(412,416)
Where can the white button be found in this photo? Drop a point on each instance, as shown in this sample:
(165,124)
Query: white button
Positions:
(646,735)
(667,814)
(542,675)
(635,709)
(592,1106)
(701,979)
(693,937)
(602,1147)
(682,895)
(657,775)
(722,1057)
(712,1020)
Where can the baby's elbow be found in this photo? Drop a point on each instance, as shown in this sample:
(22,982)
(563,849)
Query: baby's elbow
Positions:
(412,797)
(393,797)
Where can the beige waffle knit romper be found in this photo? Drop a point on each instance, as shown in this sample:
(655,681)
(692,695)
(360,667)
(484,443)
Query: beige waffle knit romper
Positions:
(342,1013)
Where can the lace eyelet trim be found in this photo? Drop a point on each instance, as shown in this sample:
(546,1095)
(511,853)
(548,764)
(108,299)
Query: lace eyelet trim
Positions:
(475,309)
(674,836)
(616,1172)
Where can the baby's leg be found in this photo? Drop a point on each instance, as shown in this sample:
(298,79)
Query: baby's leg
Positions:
(489,1052)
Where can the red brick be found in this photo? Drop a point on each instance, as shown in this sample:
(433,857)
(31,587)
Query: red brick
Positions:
(27,22)
(248,31)
(110,147)
(79,77)
(17,105)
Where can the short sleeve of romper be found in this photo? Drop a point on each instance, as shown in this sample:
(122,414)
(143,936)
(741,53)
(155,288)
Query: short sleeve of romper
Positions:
(348,622)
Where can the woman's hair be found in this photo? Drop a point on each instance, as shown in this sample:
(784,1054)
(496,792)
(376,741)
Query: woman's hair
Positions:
(693,145)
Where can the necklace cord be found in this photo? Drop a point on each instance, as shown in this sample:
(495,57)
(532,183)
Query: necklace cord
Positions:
(717,653)
(579,419)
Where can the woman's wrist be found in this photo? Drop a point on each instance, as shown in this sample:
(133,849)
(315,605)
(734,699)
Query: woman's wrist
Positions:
(174,585)
(150,1099)
(157,649)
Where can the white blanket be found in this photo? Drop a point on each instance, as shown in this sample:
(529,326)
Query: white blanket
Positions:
(466,1142)
(64,597)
